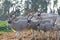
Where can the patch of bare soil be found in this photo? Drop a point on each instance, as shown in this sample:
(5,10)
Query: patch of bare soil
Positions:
(28,35)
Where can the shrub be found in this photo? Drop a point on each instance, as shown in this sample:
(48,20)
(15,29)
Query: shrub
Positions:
(3,23)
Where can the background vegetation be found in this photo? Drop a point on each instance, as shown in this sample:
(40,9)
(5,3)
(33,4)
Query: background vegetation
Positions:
(23,7)
(3,27)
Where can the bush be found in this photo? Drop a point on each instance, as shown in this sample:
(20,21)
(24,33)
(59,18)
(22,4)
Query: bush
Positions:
(3,23)
(3,27)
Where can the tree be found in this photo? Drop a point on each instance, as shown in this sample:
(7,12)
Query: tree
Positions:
(42,3)
(6,6)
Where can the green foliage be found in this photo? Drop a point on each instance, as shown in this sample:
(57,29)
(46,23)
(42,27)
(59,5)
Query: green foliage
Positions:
(3,27)
(3,24)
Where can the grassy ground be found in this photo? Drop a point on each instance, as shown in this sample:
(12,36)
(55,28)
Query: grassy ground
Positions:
(3,26)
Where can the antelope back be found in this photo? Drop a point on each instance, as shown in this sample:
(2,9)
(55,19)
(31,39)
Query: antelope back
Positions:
(47,22)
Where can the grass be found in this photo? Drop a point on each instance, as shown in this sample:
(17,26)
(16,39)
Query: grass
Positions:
(3,27)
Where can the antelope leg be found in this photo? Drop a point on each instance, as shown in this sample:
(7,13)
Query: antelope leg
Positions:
(50,35)
(44,35)
(47,35)
(22,35)
(58,35)
(16,35)
(33,38)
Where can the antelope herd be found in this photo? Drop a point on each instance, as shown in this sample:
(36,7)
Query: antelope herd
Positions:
(49,23)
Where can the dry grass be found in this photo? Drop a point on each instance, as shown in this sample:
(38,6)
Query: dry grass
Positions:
(28,35)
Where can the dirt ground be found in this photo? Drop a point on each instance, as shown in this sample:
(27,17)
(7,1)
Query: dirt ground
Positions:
(27,36)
